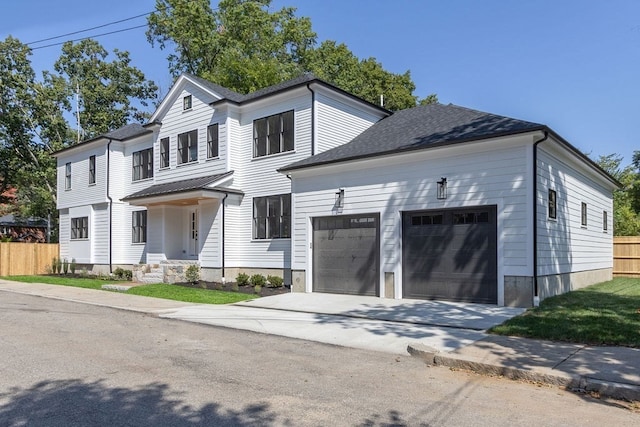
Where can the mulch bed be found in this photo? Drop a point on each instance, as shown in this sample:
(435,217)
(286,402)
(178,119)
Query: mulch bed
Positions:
(228,286)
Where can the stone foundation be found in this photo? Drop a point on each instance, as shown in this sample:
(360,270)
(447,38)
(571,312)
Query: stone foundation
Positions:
(518,291)
(298,281)
(389,285)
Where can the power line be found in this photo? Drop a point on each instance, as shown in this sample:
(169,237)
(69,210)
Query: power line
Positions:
(89,37)
(88,29)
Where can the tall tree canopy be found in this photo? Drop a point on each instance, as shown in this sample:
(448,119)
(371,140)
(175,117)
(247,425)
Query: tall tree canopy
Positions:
(244,45)
(626,201)
(36,114)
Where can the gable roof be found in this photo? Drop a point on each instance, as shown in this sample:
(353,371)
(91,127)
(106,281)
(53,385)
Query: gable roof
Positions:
(190,184)
(123,133)
(418,128)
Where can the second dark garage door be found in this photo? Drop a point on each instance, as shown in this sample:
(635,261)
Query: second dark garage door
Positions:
(346,254)
(450,254)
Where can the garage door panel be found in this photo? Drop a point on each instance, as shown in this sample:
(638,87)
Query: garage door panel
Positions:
(453,258)
(345,254)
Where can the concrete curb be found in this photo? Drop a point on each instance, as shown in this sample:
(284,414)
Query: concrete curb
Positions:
(575,383)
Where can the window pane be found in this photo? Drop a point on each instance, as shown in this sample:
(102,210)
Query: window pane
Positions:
(287,131)
(260,138)
(212,141)
(274,134)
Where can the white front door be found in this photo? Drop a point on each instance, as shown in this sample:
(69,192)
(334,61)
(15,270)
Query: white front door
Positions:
(193,233)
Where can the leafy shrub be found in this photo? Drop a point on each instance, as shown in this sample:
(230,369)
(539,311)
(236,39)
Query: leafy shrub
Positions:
(54,265)
(242,279)
(122,274)
(192,274)
(234,287)
(257,289)
(84,272)
(258,280)
(72,266)
(59,265)
(275,281)
(65,266)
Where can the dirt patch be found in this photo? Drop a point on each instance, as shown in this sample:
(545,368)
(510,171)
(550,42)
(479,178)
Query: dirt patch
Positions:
(229,287)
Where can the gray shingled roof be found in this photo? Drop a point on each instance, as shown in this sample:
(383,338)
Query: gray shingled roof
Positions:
(127,131)
(184,185)
(419,128)
(220,90)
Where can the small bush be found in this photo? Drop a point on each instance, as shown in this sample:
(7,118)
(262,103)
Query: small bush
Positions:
(72,266)
(59,265)
(84,273)
(242,279)
(234,287)
(192,274)
(275,281)
(258,280)
(54,265)
(122,274)
(257,289)
(65,266)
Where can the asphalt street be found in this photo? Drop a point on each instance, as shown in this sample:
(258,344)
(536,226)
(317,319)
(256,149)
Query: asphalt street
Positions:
(70,364)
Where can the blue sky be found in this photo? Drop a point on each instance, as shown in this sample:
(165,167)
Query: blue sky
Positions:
(572,65)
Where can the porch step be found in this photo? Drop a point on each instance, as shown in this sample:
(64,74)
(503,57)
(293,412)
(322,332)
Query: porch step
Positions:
(155,277)
(180,262)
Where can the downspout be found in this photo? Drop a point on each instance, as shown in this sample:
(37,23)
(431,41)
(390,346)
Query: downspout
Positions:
(313,119)
(222,250)
(110,208)
(536,297)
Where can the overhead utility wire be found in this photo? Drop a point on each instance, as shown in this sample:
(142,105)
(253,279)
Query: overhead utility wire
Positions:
(89,37)
(89,29)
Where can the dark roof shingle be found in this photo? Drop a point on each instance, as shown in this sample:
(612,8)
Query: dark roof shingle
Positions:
(418,128)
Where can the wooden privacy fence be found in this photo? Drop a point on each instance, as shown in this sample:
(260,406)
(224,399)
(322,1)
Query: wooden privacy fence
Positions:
(26,258)
(626,256)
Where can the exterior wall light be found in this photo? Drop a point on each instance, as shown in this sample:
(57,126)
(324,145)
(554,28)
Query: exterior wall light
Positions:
(339,199)
(442,188)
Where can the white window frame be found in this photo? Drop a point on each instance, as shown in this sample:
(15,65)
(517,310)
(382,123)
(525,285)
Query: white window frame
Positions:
(274,134)
(139,227)
(272,217)
(67,176)
(188,147)
(213,141)
(142,164)
(164,153)
(92,170)
(79,228)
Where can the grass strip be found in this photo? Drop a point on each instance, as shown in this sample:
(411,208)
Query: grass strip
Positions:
(181,293)
(88,283)
(604,314)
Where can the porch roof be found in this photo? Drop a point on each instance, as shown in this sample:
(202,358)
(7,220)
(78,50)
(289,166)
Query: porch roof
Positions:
(192,188)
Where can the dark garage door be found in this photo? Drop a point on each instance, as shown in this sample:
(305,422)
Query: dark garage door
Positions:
(346,254)
(450,254)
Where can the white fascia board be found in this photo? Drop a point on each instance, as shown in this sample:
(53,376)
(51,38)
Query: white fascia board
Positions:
(177,87)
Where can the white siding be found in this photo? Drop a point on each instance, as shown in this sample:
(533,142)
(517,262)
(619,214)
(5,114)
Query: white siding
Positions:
(564,245)
(124,251)
(177,121)
(258,177)
(100,240)
(482,174)
(64,232)
(338,122)
(81,192)
(210,231)
(80,249)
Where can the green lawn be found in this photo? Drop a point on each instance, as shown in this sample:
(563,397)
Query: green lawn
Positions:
(65,281)
(161,290)
(181,293)
(604,314)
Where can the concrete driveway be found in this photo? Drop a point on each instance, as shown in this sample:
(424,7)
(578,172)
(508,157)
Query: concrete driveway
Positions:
(355,321)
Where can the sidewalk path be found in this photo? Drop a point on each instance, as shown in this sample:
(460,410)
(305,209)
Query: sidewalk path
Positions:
(446,334)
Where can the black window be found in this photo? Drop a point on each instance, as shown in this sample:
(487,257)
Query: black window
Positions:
(188,147)
(272,217)
(553,204)
(605,225)
(139,227)
(584,215)
(273,134)
(92,169)
(143,164)
(80,228)
(186,102)
(212,141)
(164,153)
(67,176)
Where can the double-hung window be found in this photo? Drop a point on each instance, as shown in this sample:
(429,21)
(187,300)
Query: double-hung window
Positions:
(272,217)
(188,147)
(139,227)
(605,221)
(67,176)
(273,134)
(92,170)
(80,228)
(143,164)
(583,214)
(212,141)
(164,153)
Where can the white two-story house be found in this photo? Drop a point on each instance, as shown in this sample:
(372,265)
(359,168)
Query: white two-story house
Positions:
(199,182)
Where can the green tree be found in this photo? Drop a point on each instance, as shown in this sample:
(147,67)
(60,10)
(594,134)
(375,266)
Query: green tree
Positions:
(626,200)
(244,46)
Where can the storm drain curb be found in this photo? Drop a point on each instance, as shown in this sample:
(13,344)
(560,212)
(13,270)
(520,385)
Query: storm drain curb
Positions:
(575,383)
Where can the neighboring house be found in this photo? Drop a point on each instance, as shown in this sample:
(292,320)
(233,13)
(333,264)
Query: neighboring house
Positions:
(335,194)
(29,230)
(444,202)
(199,182)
